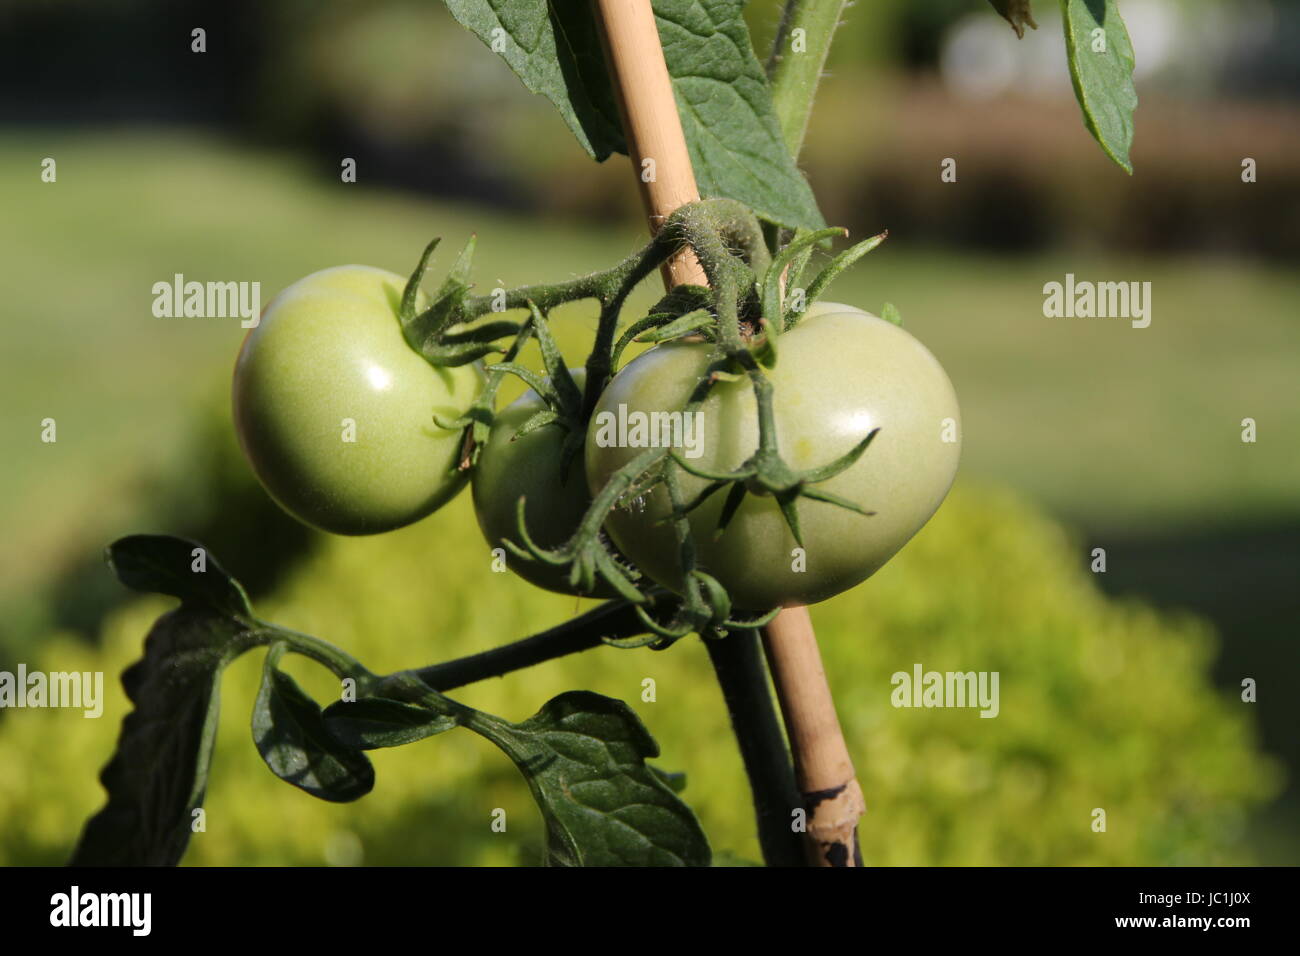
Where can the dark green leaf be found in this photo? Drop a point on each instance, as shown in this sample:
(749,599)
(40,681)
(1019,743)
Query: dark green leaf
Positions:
(374,722)
(159,772)
(292,738)
(584,757)
(555,50)
(1101,68)
(157,777)
(183,569)
(722,94)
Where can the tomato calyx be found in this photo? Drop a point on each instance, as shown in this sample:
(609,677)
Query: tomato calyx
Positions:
(478,418)
(767,473)
(438,333)
(705,607)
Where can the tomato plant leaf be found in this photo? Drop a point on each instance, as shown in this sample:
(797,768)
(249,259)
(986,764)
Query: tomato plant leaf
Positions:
(295,743)
(1101,69)
(157,777)
(165,565)
(725,103)
(584,756)
(723,97)
(374,722)
(555,50)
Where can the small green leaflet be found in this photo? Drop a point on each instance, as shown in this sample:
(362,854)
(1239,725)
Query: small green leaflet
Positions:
(1101,68)
(584,756)
(296,744)
(160,564)
(723,98)
(374,722)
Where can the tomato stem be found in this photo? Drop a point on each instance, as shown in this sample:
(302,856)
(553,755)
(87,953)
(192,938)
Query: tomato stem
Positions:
(738,663)
(795,70)
(613,620)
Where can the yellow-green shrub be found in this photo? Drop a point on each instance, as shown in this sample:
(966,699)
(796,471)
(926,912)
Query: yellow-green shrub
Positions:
(1103,705)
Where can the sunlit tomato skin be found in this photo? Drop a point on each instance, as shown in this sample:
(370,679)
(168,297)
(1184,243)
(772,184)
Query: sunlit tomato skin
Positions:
(822,307)
(838,376)
(530,466)
(335,411)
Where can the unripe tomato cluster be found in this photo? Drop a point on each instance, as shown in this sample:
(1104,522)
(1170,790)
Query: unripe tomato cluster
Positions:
(335,412)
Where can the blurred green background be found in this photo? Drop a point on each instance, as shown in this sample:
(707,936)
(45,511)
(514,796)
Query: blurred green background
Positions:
(1120,690)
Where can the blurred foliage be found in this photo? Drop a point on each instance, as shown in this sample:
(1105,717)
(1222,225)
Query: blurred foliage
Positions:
(422,104)
(1103,704)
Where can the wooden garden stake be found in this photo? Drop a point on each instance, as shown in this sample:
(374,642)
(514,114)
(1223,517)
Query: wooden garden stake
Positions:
(832,798)
(831,795)
(653,129)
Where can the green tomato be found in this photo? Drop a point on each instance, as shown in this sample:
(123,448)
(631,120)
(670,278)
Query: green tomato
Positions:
(822,307)
(334,410)
(511,467)
(838,376)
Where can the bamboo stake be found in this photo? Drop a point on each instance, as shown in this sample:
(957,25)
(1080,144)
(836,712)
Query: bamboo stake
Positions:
(832,798)
(655,141)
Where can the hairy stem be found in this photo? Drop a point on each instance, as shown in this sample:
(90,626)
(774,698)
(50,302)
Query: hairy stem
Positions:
(742,675)
(613,619)
(339,661)
(795,66)
(600,363)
